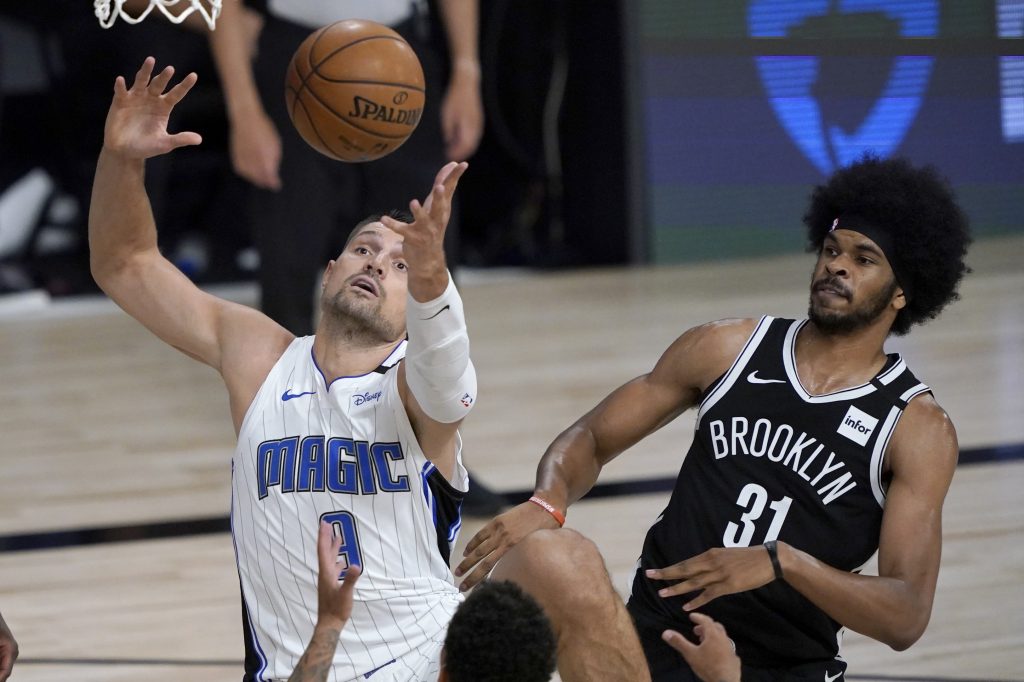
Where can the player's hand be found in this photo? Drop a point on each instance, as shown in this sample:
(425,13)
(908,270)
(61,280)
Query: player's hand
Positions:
(256,149)
(462,113)
(334,598)
(8,651)
(714,659)
(423,239)
(497,537)
(136,126)
(716,572)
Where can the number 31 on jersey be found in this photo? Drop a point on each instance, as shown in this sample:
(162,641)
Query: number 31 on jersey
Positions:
(753,499)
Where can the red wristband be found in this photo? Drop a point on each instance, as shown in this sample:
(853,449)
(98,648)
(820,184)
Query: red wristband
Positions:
(550,509)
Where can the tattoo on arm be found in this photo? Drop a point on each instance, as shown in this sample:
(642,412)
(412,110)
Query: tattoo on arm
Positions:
(319,656)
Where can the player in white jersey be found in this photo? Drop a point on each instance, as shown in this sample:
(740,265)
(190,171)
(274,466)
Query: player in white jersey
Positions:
(354,426)
(551,592)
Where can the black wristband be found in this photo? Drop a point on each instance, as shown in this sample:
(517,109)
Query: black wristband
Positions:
(773,554)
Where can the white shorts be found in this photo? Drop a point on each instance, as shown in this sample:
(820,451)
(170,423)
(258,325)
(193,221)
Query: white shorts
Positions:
(419,665)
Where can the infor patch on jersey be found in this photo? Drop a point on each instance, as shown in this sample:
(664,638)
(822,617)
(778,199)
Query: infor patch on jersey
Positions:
(857,425)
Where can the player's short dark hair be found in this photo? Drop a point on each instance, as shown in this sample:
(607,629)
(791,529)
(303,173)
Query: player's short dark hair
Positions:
(397,214)
(917,207)
(499,634)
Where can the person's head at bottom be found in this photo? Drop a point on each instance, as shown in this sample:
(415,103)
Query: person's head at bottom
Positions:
(499,634)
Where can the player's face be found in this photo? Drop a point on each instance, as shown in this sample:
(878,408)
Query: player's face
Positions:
(853,284)
(368,282)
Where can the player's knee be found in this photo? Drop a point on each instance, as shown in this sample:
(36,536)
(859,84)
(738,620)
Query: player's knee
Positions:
(568,563)
(559,548)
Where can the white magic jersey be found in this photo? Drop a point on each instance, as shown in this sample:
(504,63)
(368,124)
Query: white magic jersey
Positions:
(345,453)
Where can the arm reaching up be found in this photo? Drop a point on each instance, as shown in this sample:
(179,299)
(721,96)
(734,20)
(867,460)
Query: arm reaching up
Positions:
(334,600)
(241,343)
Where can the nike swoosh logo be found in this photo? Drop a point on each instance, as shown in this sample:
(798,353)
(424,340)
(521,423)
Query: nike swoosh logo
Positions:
(288,396)
(752,378)
(446,307)
(832,678)
(375,670)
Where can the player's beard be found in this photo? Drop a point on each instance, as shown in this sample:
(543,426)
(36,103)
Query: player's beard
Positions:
(358,319)
(838,322)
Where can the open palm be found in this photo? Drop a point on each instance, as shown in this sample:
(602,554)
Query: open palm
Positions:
(136,124)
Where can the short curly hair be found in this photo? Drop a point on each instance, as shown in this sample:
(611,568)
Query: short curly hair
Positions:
(499,634)
(917,207)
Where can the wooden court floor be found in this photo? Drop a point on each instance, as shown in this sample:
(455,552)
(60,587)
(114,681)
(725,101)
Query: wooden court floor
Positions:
(103,426)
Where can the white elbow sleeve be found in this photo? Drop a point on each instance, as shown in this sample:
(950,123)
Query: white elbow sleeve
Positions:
(437,365)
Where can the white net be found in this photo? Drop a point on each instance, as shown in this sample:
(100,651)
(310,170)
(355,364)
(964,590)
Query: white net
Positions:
(107,11)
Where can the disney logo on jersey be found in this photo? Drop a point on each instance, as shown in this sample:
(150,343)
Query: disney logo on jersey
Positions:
(857,425)
(361,398)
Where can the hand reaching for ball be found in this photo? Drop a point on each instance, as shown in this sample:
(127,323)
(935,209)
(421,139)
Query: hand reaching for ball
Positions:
(136,126)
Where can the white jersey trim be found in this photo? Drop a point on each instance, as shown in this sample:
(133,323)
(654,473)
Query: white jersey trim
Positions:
(736,370)
(878,454)
(913,392)
(789,360)
(890,375)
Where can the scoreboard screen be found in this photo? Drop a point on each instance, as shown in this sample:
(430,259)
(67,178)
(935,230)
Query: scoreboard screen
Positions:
(739,108)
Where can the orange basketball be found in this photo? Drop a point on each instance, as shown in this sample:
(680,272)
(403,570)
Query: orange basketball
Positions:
(355,90)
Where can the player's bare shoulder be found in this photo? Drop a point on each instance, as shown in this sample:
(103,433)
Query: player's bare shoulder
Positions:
(703,353)
(252,344)
(925,437)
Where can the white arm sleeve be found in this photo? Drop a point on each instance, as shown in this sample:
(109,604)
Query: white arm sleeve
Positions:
(437,365)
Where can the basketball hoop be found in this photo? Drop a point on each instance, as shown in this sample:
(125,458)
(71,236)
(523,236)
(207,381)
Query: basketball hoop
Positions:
(107,11)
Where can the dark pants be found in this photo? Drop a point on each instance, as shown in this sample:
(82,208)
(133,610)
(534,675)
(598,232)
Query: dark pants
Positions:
(667,664)
(301,227)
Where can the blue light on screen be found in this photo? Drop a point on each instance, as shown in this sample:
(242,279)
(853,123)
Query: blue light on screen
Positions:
(789,80)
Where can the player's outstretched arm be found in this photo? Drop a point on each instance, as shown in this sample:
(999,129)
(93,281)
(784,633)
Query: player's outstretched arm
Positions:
(572,463)
(893,607)
(437,381)
(334,607)
(8,650)
(127,264)
(714,659)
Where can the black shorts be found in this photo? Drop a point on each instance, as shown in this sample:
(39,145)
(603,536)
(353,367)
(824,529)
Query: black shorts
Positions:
(667,665)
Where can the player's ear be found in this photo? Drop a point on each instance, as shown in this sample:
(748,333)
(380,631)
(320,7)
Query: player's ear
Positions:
(327,275)
(899,300)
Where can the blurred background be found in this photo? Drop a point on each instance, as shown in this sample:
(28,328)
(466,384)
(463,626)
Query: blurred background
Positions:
(674,140)
(652,131)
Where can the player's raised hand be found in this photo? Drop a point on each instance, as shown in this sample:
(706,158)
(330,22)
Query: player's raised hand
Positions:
(423,239)
(715,573)
(497,537)
(714,659)
(334,596)
(136,126)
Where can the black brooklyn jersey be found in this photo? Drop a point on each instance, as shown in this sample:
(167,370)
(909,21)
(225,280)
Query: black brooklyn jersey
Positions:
(770,461)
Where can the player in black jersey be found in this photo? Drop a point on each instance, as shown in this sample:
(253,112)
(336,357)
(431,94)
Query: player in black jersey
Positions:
(813,448)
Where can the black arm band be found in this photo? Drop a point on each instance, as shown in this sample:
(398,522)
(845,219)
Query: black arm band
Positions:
(773,554)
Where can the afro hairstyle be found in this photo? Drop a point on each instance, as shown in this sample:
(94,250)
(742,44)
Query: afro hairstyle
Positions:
(499,634)
(916,206)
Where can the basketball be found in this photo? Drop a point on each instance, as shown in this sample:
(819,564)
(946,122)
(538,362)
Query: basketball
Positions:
(355,90)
